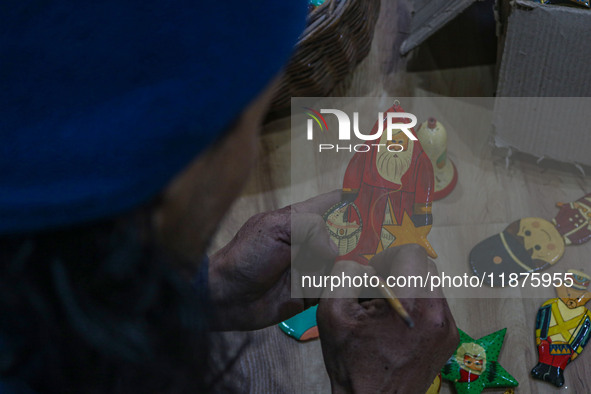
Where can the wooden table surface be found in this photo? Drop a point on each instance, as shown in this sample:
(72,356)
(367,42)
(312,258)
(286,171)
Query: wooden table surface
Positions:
(491,193)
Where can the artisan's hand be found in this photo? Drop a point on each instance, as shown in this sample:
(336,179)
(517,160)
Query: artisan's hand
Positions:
(250,278)
(368,348)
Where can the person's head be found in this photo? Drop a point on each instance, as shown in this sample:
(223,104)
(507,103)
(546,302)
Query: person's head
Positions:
(117,116)
(102,305)
(196,200)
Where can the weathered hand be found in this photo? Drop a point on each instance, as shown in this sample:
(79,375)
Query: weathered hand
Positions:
(250,278)
(368,348)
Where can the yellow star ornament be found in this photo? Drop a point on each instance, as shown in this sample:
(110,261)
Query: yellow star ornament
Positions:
(406,233)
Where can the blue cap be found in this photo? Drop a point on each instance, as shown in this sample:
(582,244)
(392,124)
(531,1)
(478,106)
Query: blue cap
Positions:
(103,102)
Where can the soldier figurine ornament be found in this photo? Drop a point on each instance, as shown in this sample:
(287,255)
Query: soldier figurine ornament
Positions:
(563,327)
(533,244)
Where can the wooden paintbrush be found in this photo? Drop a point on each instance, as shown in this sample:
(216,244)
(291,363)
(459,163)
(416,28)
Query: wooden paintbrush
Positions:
(388,294)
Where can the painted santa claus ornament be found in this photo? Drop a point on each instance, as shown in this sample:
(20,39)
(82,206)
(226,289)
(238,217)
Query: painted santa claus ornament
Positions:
(474,366)
(386,201)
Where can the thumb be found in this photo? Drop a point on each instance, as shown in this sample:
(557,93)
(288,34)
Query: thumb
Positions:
(319,204)
(309,231)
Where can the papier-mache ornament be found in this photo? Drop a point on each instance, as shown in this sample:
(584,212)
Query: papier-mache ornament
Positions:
(435,386)
(526,245)
(302,326)
(387,198)
(573,220)
(386,201)
(433,137)
(563,328)
(533,244)
(474,367)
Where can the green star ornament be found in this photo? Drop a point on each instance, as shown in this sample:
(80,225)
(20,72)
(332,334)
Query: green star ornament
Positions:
(474,366)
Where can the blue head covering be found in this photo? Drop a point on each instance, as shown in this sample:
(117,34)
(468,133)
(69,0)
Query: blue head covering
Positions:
(103,102)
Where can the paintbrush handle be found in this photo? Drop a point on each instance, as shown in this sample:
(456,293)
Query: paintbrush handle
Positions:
(388,294)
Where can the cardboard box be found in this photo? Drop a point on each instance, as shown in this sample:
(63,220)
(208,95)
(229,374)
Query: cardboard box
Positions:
(547,127)
(546,55)
(428,16)
(546,51)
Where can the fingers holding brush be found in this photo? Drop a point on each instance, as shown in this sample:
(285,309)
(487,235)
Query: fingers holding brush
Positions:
(375,337)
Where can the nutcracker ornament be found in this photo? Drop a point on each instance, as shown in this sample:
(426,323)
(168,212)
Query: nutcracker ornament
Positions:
(474,366)
(433,137)
(533,244)
(563,327)
(386,201)
(573,220)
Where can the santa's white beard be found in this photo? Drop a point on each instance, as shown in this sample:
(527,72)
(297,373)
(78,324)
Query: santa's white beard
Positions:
(392,166)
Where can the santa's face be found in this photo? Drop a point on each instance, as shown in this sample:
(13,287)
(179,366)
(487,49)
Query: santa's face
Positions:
(471,357)
(393,165)
(473,363)
(541,239)
(400,140)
